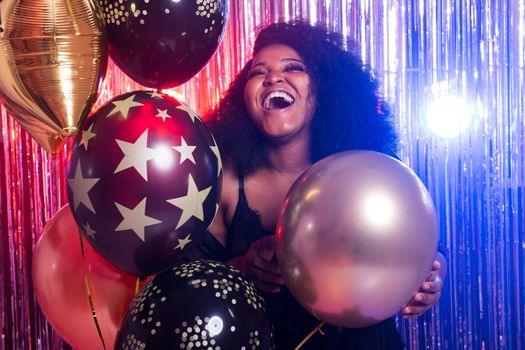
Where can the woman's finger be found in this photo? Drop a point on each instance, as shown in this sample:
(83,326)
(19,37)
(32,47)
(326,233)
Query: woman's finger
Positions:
(414,311)
(431,287)
(431,276)
(424,299)
(267,287)
(266,265)
(265,275)
(265,247)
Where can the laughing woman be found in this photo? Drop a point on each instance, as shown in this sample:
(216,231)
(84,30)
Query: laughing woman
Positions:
(301,98)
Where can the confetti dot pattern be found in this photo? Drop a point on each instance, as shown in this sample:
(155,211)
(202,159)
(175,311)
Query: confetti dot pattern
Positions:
(163,43)
(198,305)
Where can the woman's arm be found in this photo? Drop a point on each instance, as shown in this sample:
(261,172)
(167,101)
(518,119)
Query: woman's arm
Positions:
(213,244)
(228,202)
(218,227)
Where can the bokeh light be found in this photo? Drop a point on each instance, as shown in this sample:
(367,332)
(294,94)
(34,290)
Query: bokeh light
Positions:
(449,116)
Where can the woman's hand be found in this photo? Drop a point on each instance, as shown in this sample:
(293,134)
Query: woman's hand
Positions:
(258,265)
(428,294)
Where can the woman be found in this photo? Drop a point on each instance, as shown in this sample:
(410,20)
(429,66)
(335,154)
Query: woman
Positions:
(300,99)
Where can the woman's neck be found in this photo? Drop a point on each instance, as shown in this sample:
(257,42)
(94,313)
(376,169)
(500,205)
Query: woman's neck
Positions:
(290,158)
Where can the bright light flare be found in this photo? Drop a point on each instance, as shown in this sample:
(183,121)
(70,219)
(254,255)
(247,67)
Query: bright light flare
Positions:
(66,76)
(214,326)
(174,93)
(379,210)
(449,116)
(163,157)
(311,194)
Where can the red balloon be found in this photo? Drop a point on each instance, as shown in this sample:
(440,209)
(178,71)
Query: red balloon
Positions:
(163,43)
(59,278)
(144,181)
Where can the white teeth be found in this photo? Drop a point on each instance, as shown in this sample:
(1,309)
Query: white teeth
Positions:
(287,97)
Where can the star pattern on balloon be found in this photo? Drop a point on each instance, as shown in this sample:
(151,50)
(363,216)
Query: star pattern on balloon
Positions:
(155,94)
(191,113)
(136,155)
(163,113)
(89,231)
(86,136)
(215,150)
(135,219)
(81,187)
(192,203)
(146,178)
(183,242)
(123,106)
(186,152)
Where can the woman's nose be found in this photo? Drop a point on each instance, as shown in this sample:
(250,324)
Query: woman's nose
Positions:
(273,77)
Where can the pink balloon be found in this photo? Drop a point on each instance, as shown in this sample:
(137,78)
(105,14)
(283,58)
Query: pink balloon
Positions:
(356,238)
(59,280)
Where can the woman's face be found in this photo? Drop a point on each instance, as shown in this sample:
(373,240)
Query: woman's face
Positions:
(278,95)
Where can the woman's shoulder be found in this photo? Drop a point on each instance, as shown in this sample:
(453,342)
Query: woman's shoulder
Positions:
(230,188)
(228,200)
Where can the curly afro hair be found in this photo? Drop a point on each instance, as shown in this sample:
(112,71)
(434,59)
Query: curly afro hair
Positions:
(349,112)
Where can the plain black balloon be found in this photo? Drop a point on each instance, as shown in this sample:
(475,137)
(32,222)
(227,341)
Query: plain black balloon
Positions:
(163,43)
(199,305)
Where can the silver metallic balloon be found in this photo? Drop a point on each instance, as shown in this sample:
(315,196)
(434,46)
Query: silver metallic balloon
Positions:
(356,238)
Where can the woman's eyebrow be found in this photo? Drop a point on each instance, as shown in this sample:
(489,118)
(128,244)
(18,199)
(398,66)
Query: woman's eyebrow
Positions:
(293,59)
(287,59)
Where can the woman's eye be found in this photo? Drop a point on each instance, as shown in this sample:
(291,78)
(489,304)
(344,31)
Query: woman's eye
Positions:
(254,73)
(295,67)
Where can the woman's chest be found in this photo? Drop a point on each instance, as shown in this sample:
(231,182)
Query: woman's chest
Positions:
(266,197)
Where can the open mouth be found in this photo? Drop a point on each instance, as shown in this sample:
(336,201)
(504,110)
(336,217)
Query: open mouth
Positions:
(277,100)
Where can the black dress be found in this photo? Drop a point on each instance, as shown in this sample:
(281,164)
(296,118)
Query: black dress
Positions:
(290,321)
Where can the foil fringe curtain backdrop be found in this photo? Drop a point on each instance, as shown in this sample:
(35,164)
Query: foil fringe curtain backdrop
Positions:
(419,50)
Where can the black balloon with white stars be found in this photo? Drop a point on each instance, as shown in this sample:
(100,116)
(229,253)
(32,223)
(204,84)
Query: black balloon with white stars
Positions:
(144,181)
(199,305)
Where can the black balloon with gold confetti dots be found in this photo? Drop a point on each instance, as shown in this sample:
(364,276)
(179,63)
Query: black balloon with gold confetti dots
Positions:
(163,43)
(199,305)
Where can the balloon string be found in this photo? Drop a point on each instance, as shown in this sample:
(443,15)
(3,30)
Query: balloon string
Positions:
(311,334)
(90,297)
(94,314)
